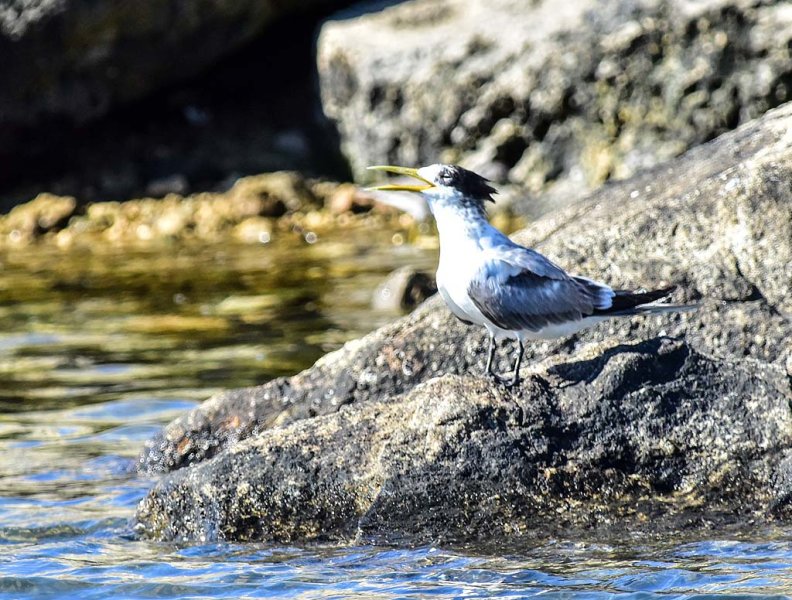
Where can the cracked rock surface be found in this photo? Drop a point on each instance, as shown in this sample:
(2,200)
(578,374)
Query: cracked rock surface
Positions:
(397,436)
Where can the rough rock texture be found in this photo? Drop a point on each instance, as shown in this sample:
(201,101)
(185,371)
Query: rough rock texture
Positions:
(544,92)
(626,431)
(702,420)
(74,59)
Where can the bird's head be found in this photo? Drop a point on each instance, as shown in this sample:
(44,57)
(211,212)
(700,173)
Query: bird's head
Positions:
(449,184)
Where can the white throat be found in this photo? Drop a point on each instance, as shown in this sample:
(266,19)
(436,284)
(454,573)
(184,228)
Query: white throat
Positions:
(463,228)
(454,215)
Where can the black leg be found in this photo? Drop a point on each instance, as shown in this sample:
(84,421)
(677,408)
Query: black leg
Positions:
(490,363)
(490,360)
(491,355)
(515,380)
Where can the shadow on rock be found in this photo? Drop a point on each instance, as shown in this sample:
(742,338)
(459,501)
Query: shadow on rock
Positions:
(587,371)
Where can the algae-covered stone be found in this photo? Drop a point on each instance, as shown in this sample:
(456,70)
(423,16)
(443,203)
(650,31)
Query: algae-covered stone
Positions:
(273,194)
(246,212)
(541,93)
(45,213)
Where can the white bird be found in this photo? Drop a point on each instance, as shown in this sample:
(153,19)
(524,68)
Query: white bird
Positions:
(513,291)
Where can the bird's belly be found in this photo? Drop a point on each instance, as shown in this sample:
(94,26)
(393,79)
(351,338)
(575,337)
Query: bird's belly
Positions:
(454,291)
(460,304)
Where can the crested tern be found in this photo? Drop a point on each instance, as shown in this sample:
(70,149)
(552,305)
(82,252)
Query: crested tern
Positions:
(514,292)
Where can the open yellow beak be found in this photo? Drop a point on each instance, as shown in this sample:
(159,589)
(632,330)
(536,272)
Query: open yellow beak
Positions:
(399,187)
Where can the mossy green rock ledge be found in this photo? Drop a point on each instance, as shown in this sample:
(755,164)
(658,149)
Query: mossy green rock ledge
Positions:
(679,420)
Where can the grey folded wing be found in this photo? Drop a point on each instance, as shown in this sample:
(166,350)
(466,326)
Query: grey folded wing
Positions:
(526,292)
(513,257)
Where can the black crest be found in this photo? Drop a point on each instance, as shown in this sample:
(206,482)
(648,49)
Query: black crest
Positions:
(469,183)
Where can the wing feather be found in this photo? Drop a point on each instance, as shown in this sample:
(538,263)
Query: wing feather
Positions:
(529,260)
(522,290)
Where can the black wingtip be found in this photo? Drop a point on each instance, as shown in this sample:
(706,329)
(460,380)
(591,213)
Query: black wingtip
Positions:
(628,299)
(658,294)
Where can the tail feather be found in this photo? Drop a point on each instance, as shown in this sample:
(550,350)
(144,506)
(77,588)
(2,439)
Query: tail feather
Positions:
(627,302)
(656,309)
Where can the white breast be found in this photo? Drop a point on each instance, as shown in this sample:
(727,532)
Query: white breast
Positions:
(453,288)
(461,258)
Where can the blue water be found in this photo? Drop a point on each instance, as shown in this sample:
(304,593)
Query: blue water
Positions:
(67,495)
(78,400)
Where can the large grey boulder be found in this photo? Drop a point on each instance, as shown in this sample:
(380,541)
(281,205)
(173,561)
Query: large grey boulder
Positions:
(546,92)
(397,433)
(628,432)
(74,59)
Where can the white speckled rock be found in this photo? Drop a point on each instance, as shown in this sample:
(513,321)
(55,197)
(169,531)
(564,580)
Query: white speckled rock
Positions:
(544,93)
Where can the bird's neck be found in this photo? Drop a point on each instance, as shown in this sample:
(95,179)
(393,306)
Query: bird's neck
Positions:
(460,226)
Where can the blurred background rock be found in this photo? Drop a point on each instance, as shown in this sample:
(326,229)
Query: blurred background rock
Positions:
(114,100)
(118,99)
(553,97)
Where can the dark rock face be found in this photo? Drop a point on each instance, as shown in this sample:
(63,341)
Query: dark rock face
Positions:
(694,419)
(626,431)
(542,93)
(117,99)
(75,58)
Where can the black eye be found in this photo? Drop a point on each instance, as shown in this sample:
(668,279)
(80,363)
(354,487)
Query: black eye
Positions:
(445,177)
